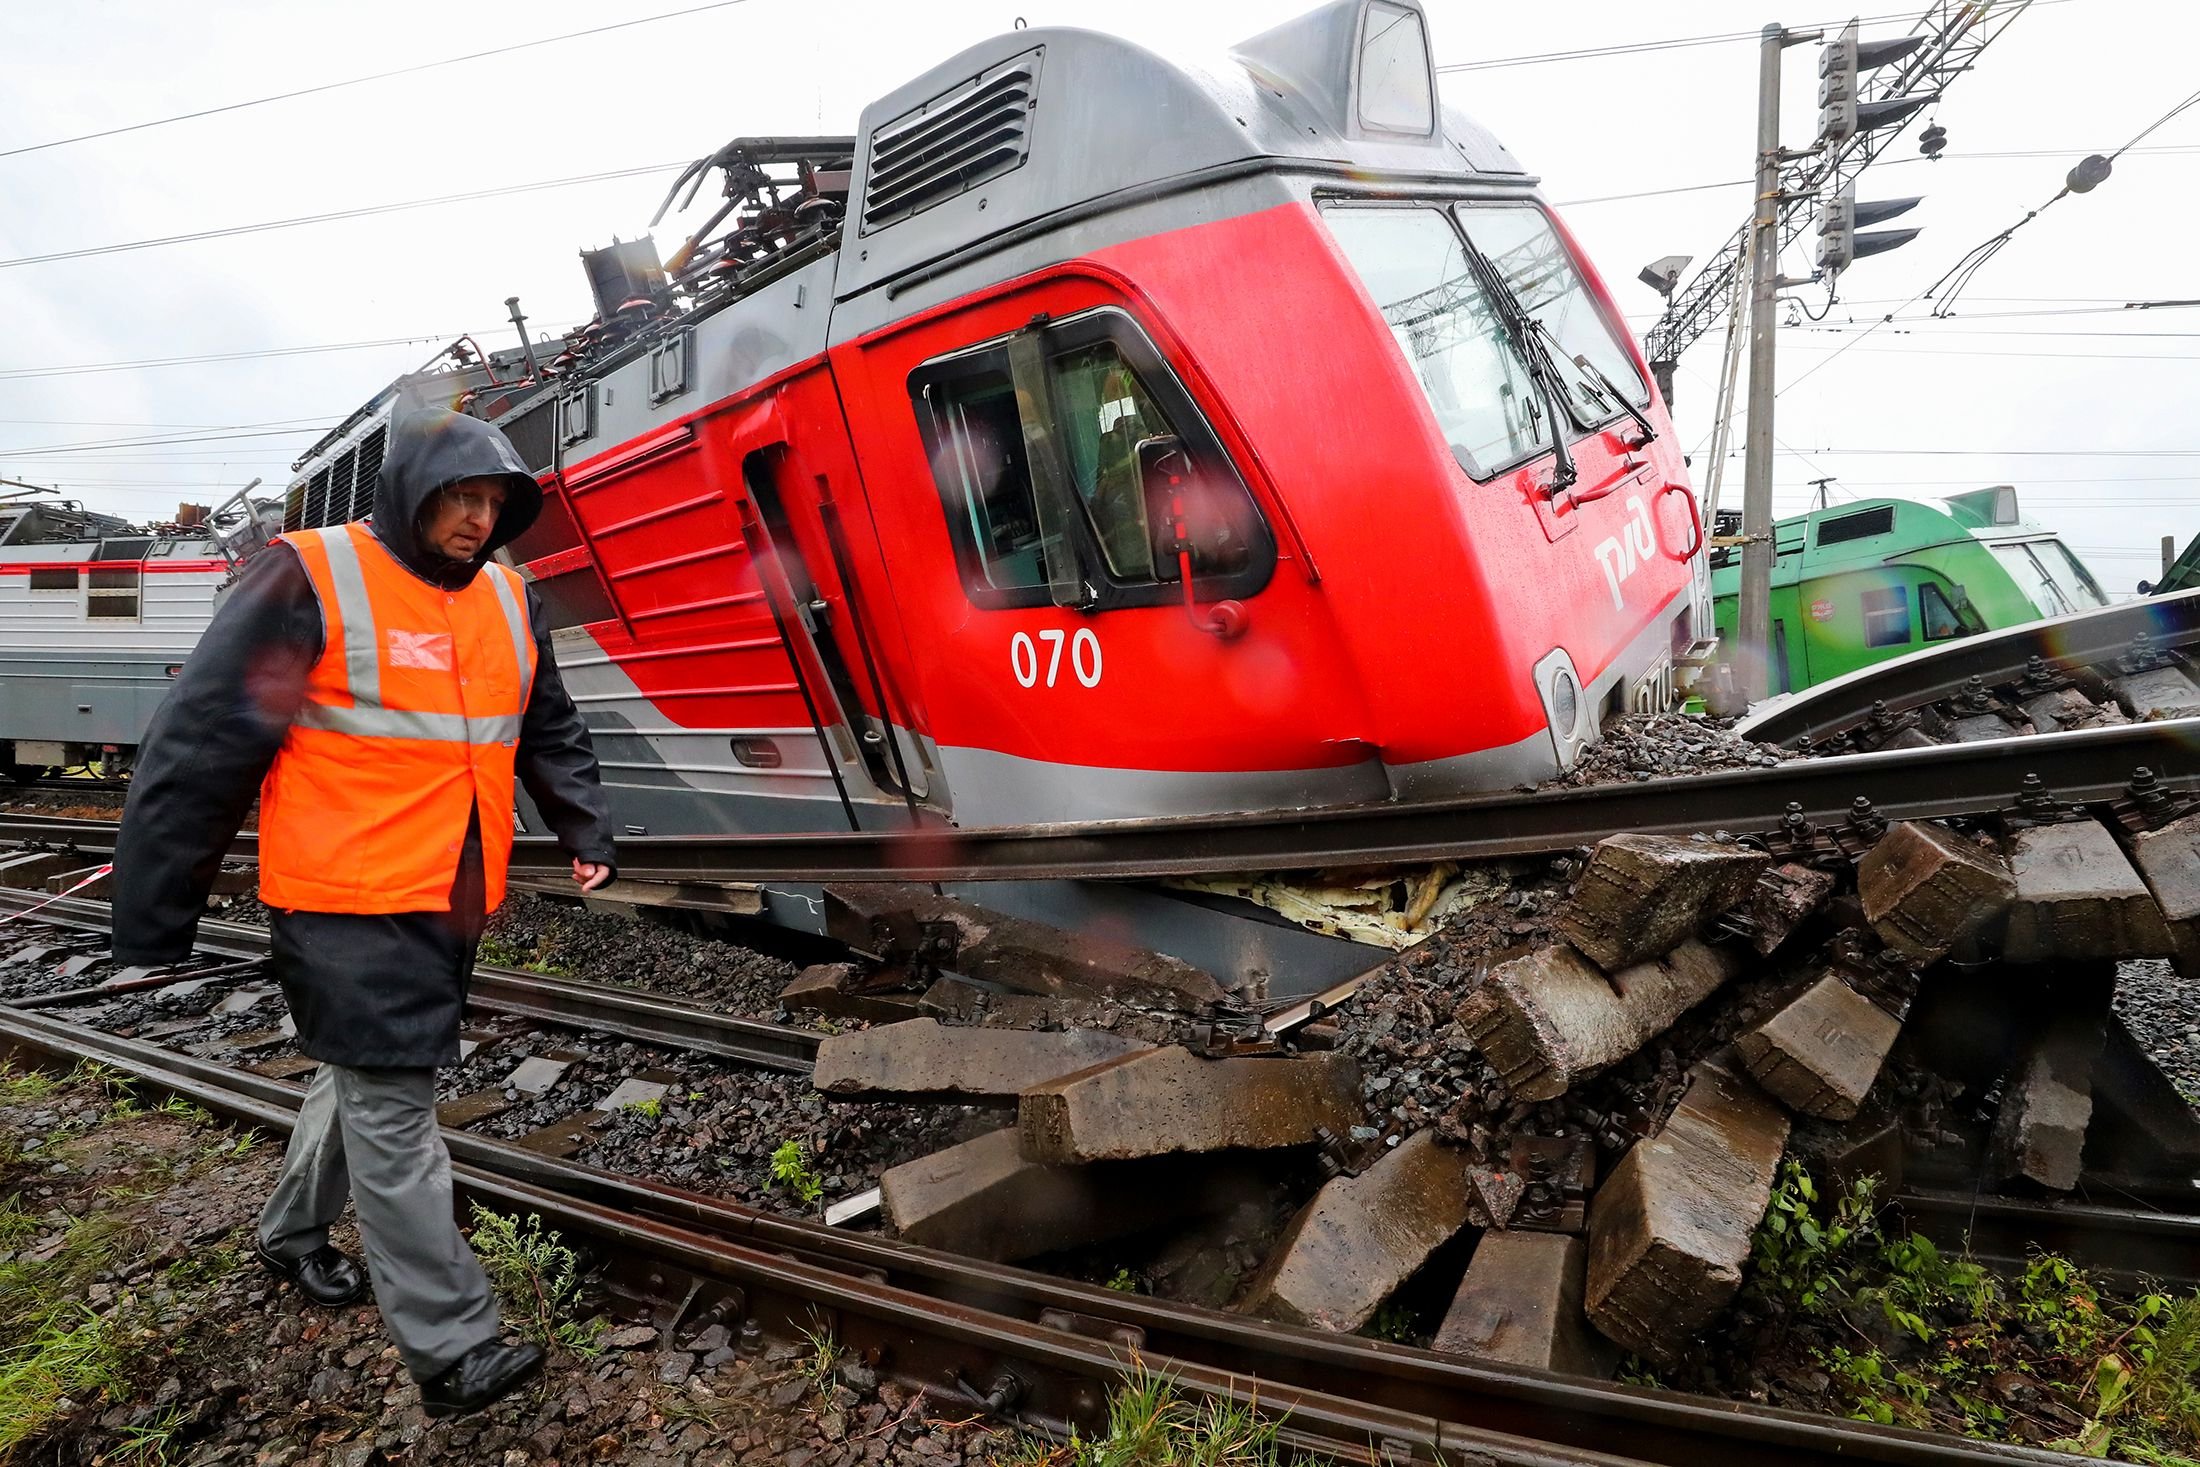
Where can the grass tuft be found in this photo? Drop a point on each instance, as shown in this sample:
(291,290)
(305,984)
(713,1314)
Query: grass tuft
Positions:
(791,1170)
(539,1279)
(1151,1425)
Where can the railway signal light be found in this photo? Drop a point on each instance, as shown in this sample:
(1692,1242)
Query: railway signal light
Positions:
(1843,60)
(1840,216)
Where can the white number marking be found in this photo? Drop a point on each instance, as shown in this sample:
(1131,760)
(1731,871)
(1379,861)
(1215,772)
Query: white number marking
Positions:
(1086,637)
(1054,637)
(1084,657)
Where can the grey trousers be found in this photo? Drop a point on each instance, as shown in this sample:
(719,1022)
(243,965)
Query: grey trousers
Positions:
(372,1133)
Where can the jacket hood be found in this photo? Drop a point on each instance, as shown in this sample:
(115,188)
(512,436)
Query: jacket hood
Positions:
(433,448)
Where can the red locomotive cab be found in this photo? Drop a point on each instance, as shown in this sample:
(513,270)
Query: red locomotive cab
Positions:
(1435,522)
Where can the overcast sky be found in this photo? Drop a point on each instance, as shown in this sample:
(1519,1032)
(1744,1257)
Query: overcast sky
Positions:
(2040,380)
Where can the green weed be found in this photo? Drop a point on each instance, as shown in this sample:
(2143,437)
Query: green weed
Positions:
(1151,1425)
(1801,1262)
(538,1277)
(2130,1369)
(498,953)
(791,1170)
(1393,1322)
(183,1110)
(147,1443)
(203,1269)
(824,1358)
(55,1353)
(22,1086)
(1123,1282)
(18,1224)
(651,1108)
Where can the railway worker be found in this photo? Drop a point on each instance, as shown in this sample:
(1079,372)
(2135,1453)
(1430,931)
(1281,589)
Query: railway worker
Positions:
(377,685)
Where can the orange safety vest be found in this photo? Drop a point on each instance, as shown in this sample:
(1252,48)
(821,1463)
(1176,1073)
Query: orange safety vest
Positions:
(411,719)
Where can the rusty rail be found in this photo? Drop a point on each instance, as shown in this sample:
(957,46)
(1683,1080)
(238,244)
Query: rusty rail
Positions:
(635,1014)
(2083,639)
(2087,766)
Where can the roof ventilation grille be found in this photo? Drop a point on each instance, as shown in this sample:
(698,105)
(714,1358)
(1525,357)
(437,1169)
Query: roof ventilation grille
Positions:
(951,144)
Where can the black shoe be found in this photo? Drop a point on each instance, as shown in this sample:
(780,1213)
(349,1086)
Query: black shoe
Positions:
(326,1276)
(483,1374)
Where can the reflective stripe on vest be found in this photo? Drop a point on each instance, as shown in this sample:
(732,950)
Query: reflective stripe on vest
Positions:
(367,718)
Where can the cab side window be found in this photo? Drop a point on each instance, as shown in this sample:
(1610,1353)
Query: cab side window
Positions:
(1886,616)
(1938,615)
(1103,407)
(977,453)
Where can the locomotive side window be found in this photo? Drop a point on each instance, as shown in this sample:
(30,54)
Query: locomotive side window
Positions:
(575,598)
(1486,403)
(1940,618)
(979,463)
(1103,392)
(1105,413)
(1520,242)
(1886,616)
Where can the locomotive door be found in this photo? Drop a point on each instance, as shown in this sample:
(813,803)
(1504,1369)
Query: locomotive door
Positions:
(805,564)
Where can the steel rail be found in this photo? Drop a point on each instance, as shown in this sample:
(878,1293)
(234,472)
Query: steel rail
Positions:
(2086,765)
(1517,1415)
(2127,1246)
(1903,683)
(634,1014)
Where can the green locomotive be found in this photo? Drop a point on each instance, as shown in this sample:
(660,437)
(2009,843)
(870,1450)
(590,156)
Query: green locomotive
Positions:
(1865,582)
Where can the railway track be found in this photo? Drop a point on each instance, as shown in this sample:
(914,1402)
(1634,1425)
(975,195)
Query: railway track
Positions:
(2084,766)
(1037,1350)
(2086,647)
(627,1013)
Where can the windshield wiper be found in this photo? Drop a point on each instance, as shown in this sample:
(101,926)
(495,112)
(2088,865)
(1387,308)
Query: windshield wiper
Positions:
(1610,391)
(1525,331)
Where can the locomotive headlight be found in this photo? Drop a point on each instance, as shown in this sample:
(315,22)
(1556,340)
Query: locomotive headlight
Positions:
(1565,702)
(1559,688)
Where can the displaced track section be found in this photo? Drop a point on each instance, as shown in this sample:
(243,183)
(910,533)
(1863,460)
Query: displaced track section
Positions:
(2096,649)
(1041,1351)
(2083,766)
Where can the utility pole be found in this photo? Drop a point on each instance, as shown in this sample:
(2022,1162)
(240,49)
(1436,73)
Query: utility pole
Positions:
(1753,613)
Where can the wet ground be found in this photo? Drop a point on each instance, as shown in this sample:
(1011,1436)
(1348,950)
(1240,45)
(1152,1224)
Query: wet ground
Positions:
(148,1335)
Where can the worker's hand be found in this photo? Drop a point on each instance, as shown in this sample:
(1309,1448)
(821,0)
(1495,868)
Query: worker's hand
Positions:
(590,874)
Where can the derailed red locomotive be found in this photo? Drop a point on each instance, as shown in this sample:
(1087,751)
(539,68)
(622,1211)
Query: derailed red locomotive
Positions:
(1094,436)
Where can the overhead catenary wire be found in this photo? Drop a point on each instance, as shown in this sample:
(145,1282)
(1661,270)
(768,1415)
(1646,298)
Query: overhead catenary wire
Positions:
(1944,291)
(255,354)
(365,211)
(1676,43)
(2001,155)
(324,87)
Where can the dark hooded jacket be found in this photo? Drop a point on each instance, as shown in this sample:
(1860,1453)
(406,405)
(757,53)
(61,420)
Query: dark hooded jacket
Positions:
(368,991)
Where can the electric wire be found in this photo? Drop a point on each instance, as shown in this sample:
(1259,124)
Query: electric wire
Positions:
(363,212)
(363,80)
(1677,43)
(1944,291)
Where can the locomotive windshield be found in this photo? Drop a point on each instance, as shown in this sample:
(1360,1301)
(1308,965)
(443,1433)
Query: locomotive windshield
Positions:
(1520,242)
(1476,378)
(1486,398)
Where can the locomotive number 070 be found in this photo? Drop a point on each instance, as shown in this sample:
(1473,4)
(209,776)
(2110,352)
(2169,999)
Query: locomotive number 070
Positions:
(1084,656)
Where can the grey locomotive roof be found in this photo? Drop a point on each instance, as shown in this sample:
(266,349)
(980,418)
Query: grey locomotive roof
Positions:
(1111,118)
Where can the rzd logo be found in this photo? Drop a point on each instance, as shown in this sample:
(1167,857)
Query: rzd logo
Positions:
(1621,554)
